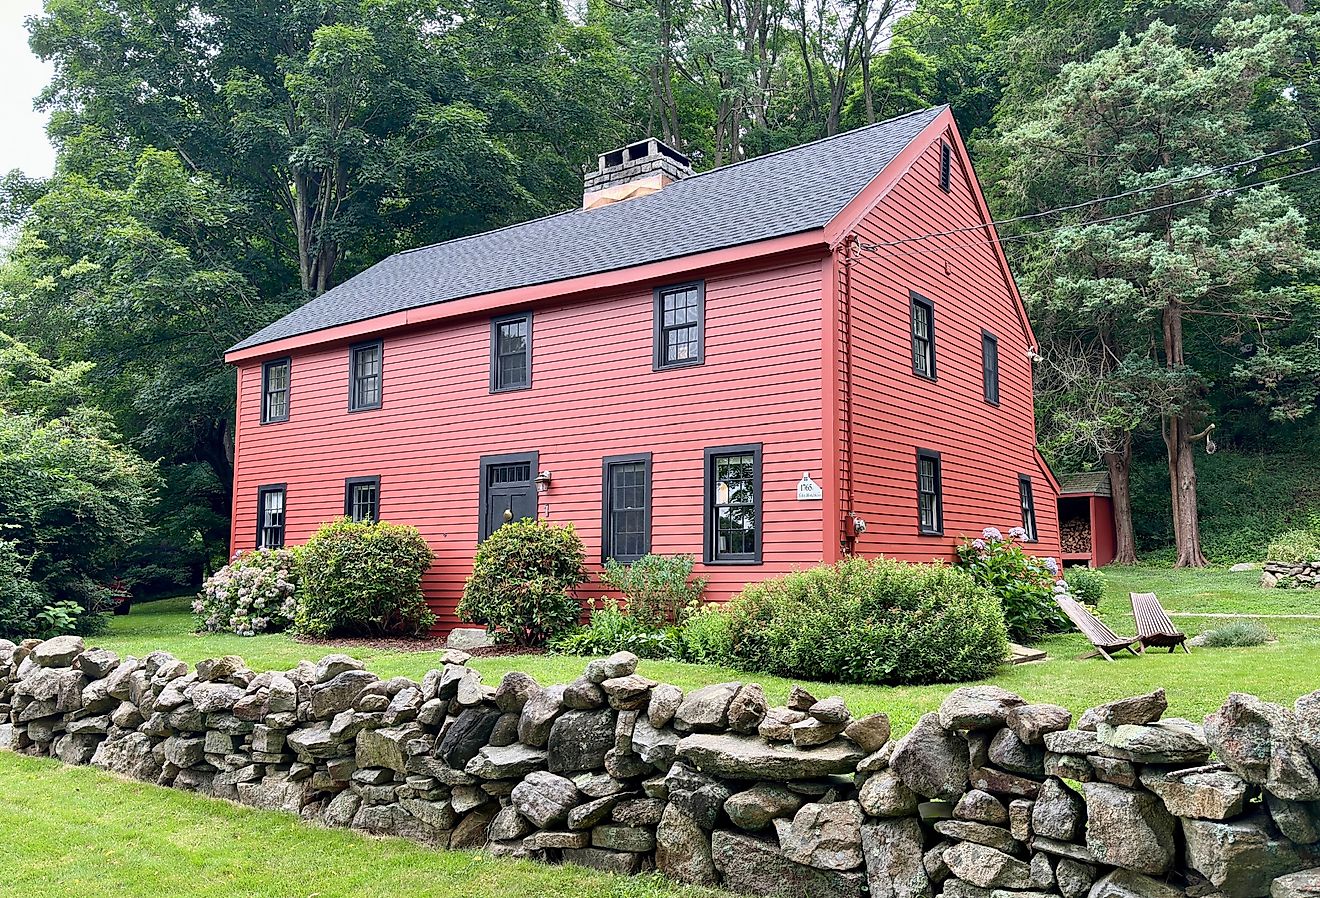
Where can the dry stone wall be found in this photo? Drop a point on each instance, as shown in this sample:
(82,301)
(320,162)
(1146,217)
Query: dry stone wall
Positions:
(1295,575)
(990,797)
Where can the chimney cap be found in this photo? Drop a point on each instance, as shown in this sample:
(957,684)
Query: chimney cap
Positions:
(641,149)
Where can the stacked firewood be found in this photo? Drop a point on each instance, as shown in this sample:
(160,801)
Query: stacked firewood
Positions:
(1075,534)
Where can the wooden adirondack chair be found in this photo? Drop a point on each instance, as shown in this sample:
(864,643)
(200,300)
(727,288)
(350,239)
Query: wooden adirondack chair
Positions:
(1153,625)
(1105,640)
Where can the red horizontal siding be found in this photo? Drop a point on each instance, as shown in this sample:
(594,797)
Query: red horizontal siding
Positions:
(594,394)
(983,447)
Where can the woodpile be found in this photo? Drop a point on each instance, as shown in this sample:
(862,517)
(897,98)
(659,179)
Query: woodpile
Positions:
(1075,535)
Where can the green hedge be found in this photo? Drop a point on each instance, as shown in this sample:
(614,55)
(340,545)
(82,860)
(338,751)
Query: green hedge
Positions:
(869,621)
(363,579)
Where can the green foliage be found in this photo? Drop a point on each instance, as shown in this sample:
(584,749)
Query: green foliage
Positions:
(705,635)
(1087,585)
(869,621)
(1238,634)
(1295,546)
(1248,499)
(72,496)
(522,582)
(1024,584)
(658,589)
(21,600)
(614,628)
(255,593)
(363,579)
(58,619)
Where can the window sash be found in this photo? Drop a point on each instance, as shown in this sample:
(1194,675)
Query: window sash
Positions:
(990,367)
(270,518)
(627,523)
(923,338)
(364,501)
(366,367)
(930,494)
(734,508)
(275,391)
(511,343)
(679,325)
(1028,502)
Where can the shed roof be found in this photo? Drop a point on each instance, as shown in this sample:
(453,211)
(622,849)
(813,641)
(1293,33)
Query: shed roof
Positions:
(788,192)
(1089,483)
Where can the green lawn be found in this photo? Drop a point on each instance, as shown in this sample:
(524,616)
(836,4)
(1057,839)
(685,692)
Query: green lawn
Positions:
(73,831)
(1197,684)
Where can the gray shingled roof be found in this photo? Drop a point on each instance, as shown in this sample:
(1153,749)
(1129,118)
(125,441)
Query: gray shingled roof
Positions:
(788,192)
(1093,483)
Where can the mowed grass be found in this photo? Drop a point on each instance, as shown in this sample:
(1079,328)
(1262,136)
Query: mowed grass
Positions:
(1197,684)
(73,831)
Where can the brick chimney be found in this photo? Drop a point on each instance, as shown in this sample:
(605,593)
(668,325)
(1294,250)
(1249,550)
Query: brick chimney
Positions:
(635,170)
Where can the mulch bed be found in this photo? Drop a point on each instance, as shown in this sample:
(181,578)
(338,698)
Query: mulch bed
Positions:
(396,644)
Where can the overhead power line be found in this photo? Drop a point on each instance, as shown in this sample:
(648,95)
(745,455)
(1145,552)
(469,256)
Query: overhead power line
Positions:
(1211,195)
(1104,199)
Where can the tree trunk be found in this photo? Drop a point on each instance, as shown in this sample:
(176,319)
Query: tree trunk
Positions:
(1182,466)
(1120,486)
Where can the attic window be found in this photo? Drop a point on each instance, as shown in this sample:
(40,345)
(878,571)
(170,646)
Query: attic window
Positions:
(946,166)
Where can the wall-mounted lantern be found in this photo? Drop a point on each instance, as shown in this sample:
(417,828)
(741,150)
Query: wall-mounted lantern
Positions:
(542,482)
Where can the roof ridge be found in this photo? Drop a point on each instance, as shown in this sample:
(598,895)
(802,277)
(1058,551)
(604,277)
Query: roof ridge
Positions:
(810,143)
(690,178)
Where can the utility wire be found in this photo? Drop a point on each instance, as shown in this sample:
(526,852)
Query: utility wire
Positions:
(1104,199)
(1215,194)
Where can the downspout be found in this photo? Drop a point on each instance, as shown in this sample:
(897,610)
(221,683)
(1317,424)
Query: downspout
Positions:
(847,527)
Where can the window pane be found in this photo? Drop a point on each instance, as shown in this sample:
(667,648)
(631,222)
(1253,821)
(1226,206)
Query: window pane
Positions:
(366,376)
(362,505)
(276,398)
(734,505)
(627,537)
(511,353)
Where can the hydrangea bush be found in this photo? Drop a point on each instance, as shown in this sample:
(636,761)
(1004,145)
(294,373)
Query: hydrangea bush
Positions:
(1025,584)
(255,593)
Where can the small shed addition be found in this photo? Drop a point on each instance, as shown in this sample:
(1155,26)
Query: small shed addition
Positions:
(1086,519)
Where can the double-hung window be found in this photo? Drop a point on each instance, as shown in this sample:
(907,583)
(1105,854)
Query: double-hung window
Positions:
(626,528)
(270,516)
(930,493)
(946,166)
(275,391)
(923,336)
(1028,502)
(990,367)
(511,352)
(733,505)
(364,374)
(362,499)
(680,313)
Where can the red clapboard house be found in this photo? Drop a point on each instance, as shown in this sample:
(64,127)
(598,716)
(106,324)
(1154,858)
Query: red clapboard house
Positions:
(745,365)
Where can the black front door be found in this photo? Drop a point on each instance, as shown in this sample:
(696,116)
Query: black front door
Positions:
(508,492)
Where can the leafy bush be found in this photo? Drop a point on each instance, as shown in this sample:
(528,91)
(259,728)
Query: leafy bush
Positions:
(257,592)
(1237,634)
(21,600)
(658,589)
(614,629)
(1086,584)
(522,582)
(363,579)
(73,496)
(1024,583)
(869,621)
(1294,546)
(704,635)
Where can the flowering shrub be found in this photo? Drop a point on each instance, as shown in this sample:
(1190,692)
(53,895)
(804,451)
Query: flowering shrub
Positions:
(1026,585)
(254,593)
